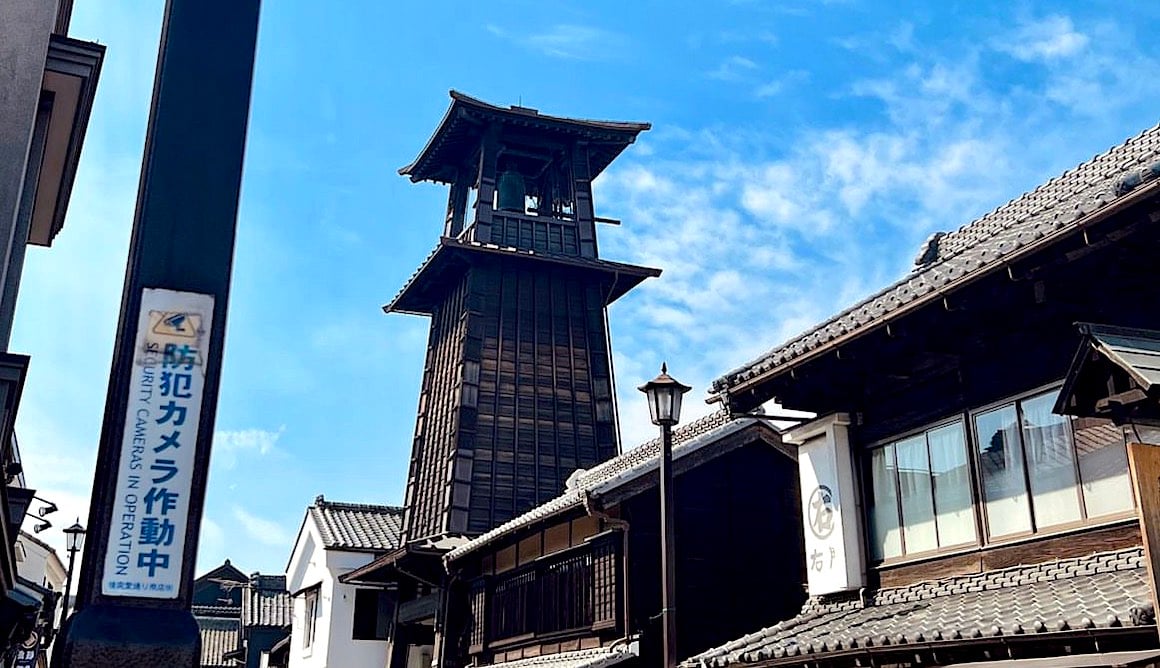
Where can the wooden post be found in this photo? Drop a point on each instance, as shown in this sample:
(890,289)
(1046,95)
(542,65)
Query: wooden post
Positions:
(1144,464)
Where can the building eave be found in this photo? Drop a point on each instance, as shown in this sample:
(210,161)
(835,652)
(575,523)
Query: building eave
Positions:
(918,290)
(421,293)
(72,70)
(468,112)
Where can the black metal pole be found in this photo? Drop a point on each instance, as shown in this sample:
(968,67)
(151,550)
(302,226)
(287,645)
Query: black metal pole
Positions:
(136,580)
(64,602)
(668,550)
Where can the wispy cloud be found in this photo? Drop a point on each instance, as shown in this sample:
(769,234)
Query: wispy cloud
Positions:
(229,445)
(266,532)
(1049,38)
(734,68)
(568,41)
(762,236)
(779,85)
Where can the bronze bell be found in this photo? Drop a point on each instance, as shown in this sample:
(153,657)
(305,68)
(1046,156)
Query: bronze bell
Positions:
(511,191)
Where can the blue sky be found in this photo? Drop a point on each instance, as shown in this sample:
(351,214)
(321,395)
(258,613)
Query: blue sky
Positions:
(801,152)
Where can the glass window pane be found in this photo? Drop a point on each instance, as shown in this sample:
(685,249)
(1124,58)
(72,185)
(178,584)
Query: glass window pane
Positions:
(1103,466)
(1001,467)
(954,508)
(1050,461)
(917,501)
(885,538)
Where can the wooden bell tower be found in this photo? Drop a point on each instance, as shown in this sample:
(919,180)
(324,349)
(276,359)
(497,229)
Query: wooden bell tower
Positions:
(517,388)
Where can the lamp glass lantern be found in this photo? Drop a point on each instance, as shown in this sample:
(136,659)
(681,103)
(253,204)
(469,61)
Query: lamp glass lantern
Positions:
(75,535)
(664,398)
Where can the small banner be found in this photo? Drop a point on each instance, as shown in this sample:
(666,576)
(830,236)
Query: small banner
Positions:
(155,475)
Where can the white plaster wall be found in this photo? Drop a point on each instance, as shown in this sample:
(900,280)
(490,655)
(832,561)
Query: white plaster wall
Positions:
(343,649)
(41,565)
(333,646)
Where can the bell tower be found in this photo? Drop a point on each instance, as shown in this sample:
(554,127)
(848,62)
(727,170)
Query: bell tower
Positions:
(517,389)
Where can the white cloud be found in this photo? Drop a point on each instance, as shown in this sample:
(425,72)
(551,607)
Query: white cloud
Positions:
(567,41)
(779,85)
(1050,38)
(761,237)
(266,532)
(228,445)
(733,68)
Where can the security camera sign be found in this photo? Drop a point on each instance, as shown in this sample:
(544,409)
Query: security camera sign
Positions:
(155,474)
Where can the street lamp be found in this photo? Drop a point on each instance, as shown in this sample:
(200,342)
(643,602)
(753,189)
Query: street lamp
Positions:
(664,406)
(76,538)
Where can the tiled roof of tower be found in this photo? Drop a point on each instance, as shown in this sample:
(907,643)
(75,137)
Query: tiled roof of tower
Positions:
(356,526)
(616,471)
(628,275)
(458,134)
(1054,598)
(219,636)
(1055,208)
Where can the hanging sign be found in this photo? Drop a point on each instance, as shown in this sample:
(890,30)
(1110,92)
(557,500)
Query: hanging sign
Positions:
(155,474)
(829,519)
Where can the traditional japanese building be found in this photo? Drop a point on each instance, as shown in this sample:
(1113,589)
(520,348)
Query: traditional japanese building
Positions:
(217,608)
(958,506)
(517,390)
(575,582)
(335,623)
(49,85)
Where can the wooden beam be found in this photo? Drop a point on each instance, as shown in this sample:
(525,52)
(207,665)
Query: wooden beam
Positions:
(1144,464)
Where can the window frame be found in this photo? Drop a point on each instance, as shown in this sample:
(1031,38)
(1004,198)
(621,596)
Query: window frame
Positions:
(310,600)
(983,541)
(958,419)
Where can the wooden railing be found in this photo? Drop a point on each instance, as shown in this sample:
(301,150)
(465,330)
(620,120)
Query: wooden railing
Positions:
(575,590)
(537,233)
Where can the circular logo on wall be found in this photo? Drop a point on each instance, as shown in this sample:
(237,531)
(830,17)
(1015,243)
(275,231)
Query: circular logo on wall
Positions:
(821,512)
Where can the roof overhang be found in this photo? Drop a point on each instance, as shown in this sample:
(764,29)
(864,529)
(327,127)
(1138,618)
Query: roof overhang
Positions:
(70,83)
(915,292)
(460,132)
(1115,375)
(452,257)
(418,561)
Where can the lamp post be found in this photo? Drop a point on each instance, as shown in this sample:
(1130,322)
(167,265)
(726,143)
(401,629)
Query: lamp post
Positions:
(76,538)
(664,406)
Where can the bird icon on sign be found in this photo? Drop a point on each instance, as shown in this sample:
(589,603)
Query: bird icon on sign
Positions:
(179,323)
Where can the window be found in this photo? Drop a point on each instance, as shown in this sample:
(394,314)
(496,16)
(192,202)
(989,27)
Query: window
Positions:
(1041,470)
(374,612)
(309,617)
(1037,470)
(921,494)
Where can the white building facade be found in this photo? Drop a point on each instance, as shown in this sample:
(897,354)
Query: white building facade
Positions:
(336,624)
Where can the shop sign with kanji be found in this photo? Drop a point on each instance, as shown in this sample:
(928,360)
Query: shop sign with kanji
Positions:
(155,473)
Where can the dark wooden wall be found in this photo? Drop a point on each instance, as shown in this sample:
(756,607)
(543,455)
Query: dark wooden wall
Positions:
(517,394)
(739,545)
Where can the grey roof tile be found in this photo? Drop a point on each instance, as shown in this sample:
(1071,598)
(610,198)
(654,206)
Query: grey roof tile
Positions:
(598,657)
(356,526)
(1060,203)
(609,475)
(218,637)
(266,607)
(1096,591)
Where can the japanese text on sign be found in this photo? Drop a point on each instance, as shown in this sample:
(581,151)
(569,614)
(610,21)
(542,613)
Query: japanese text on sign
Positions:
(155,474)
